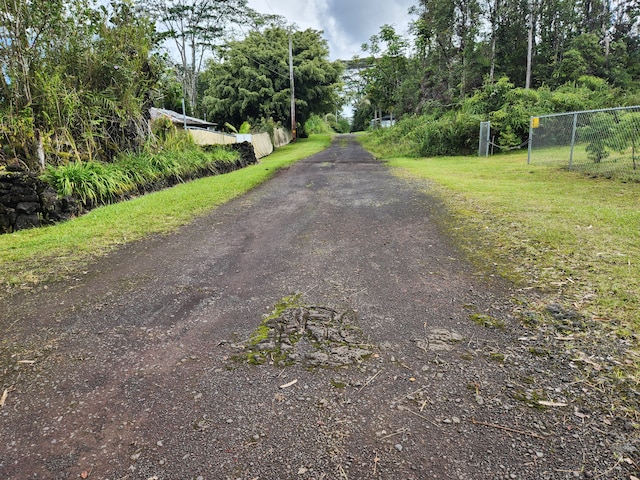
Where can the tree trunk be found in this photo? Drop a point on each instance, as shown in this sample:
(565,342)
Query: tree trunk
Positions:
(494,19)
(606,19)
(530,45)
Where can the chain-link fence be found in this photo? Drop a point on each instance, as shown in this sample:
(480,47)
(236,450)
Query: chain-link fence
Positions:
(597,142)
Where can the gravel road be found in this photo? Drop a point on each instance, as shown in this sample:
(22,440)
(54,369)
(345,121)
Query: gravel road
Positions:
(146,365)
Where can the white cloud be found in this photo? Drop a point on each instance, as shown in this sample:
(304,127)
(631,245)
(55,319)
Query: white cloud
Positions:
(347,23)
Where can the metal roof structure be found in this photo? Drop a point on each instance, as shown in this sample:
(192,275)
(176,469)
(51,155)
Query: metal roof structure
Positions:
(180,119)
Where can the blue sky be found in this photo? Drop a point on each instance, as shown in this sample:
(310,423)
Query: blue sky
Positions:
(347,24)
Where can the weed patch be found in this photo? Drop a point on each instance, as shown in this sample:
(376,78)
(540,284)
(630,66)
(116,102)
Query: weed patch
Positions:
(487,321)
(312,336)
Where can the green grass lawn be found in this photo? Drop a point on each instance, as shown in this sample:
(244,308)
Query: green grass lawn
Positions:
(574,237)
(32,256)
(621,165)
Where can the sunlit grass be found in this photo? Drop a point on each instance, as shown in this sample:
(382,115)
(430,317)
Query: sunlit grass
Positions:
(544,227)
(622,165)
(33,256)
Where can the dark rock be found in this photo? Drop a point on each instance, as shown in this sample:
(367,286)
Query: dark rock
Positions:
(14,167)
(24,222)
(7,219)
(26,201)
(27,208)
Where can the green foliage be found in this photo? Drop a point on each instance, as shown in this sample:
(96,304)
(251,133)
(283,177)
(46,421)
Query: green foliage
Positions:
(598,132)
(570,68)
(452,134)
(98,183)
(342,125)
(508,139)
(253,80)
(611,131)
(91,181)
(388,67)
(245,128)
(458,44)
(230,127)
(455,132)
(81,87)
(163,128)
(317,125)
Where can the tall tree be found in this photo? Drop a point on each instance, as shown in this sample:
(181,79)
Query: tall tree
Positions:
(28,30)
(494,14)
(434,41)
(251,81)
(387,70)
(196,27)
(512,41)
(447,34)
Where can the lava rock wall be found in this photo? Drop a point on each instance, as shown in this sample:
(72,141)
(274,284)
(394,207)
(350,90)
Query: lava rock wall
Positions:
(28,202)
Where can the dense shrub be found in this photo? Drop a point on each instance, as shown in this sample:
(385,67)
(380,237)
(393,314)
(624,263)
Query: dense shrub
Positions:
(421,136)
(317,125)
(95,182)
(455,132)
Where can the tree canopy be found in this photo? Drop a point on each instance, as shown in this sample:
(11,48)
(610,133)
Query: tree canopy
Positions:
(197,28)
(459,45)
(251,81)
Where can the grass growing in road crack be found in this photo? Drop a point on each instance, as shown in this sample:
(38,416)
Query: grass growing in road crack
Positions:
(29,257)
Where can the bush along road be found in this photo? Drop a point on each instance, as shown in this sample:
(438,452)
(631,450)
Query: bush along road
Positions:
(318,327)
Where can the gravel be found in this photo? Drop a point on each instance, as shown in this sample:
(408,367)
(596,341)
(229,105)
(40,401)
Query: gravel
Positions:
(139,368)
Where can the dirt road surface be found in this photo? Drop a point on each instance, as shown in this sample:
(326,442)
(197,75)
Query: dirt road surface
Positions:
(146,366)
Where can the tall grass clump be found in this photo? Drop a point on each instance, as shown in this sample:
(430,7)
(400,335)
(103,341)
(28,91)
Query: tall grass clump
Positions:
(426,135)
(91,182)
(95,182)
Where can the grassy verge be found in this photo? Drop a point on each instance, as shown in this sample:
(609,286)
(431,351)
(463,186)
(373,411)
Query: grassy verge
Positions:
(574,237)
(28,257)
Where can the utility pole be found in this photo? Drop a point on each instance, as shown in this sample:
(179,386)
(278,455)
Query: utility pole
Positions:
(293,90)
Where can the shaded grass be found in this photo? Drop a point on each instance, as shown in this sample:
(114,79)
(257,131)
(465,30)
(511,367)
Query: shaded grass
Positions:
(557,231)
(32,256)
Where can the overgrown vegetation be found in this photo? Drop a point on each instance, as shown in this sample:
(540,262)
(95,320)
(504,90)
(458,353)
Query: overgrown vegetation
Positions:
(79,78)
(456,47)
(77,81)
(484,60)
(327,124)
(95,182)
(455,131)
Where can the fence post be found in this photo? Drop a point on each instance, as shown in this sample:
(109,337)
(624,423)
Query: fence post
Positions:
(573,138)
(530,139)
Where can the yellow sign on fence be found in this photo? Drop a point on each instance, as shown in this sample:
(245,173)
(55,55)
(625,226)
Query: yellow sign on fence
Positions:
(535,122)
